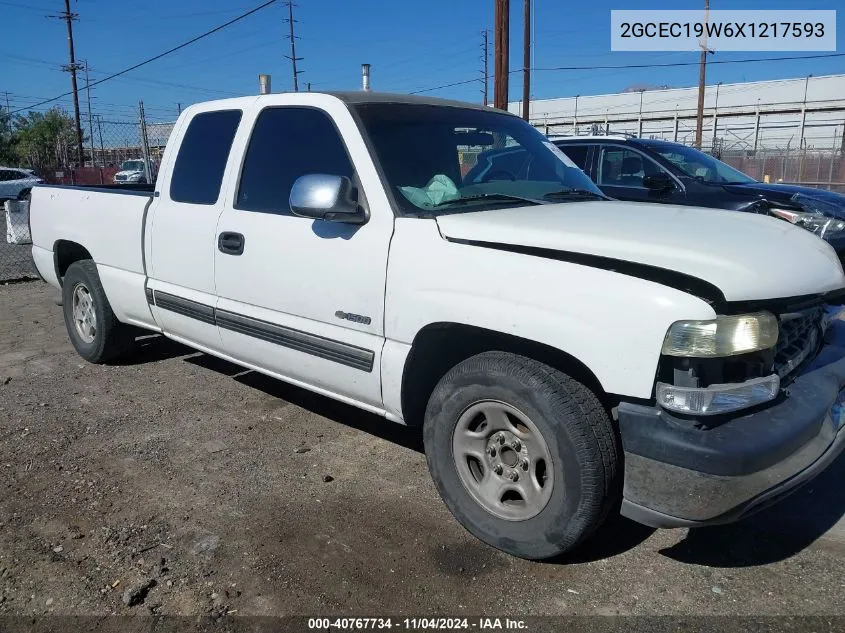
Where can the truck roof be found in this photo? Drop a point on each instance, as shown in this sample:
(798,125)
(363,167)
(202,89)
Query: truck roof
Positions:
(592,137)
(387,97)
(357,97)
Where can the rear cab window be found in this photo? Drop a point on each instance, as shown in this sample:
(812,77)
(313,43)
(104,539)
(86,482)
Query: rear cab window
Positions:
(203,153)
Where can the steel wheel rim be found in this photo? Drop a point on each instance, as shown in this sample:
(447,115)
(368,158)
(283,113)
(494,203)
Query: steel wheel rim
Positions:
(83,313)
(503,460)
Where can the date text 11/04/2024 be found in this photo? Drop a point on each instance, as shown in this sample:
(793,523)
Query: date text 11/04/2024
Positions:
(417,624)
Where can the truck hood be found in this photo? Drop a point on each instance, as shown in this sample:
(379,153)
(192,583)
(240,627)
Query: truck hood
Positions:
(745,256)
(130,172)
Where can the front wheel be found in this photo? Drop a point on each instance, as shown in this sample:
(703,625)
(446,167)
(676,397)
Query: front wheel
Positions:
(91,324)
(524,456)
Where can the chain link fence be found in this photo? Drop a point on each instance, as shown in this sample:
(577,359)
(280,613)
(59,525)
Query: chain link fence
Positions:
(114,153)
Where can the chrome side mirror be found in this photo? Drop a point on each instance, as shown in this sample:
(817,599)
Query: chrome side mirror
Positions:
(326,197)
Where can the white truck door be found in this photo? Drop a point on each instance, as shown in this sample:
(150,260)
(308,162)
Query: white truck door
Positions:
(181,238)
(303,298)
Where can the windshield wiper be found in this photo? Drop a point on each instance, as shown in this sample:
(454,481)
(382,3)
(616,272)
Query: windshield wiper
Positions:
(575,193)
(490,196)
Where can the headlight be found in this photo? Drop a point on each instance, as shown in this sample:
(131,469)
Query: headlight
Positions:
(722,336)
(135,177)
(813,222)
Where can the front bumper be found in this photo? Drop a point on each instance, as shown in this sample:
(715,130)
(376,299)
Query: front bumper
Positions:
(682,474)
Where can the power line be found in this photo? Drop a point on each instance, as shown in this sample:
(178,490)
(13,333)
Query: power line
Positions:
(22,6)
(671,64)
(657,65)
(160,55)
(457,83)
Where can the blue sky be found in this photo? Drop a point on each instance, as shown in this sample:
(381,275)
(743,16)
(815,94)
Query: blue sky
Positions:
(412,45)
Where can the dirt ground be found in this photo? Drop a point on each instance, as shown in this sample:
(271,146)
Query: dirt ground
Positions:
(181,484)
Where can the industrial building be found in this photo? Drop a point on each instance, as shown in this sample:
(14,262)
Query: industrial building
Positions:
(787,130)
(804,112)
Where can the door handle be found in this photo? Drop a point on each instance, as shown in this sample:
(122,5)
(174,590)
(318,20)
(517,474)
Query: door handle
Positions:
(230,243)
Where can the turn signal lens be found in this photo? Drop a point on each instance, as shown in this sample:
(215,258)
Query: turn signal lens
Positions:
(717,399)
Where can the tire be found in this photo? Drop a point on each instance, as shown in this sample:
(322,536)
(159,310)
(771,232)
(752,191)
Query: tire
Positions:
(578,439)
(106,338)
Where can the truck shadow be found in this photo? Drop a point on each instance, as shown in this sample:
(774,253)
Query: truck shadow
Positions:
(776,533)
(345,414)
(616,536)
(151,348)
(769,536)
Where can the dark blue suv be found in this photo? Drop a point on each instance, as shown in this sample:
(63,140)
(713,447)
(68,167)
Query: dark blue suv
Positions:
(647,170)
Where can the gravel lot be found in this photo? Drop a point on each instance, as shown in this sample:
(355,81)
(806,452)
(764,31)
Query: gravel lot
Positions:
(181,484)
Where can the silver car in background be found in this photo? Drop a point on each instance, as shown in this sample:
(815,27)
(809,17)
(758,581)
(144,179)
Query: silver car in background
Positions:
(15,182)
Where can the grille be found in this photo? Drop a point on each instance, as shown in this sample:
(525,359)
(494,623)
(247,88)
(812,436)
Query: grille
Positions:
(798,340)
(120,178)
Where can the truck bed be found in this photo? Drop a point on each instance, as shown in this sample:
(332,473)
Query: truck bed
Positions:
(118,187)
(106,221)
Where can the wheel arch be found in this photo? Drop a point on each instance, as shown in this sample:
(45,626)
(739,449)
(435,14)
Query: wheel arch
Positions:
(65,253)
(439,346)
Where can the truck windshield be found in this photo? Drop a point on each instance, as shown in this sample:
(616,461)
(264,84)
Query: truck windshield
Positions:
(696,164)
(132,165)
(439,159)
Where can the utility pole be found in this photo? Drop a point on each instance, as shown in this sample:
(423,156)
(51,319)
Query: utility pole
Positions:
(90,120)
(145,142)
(501,53)
(8,118)
(179,108)
(102,147)
(485,57)
(292,57)
(702,78)
(72,67)
(526,57)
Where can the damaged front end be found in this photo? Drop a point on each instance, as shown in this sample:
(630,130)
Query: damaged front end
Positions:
(817,216)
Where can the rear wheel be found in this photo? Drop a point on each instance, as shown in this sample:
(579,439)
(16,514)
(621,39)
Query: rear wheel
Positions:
(523,455)
(92,326)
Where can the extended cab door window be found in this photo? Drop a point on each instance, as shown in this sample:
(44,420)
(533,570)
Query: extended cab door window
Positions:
(198,172)
(287,143)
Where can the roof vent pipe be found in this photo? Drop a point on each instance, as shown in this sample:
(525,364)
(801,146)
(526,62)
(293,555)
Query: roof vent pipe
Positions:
(365,77)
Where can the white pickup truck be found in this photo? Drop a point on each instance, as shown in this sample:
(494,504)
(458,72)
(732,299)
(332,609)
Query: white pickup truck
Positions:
(567,355)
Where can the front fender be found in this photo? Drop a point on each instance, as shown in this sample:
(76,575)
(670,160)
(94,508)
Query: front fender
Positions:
(612,323)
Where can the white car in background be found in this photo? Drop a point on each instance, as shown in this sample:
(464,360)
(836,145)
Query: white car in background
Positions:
(15,182)
(132,171)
